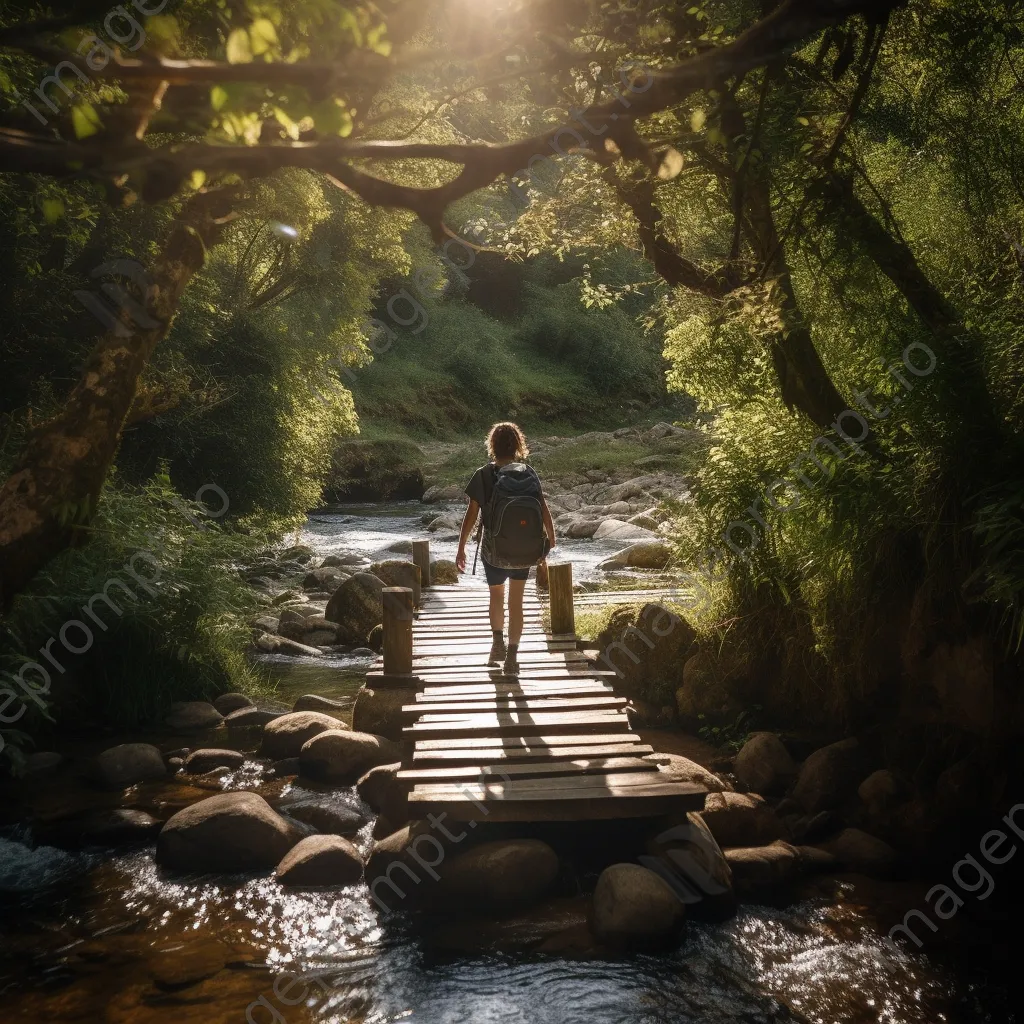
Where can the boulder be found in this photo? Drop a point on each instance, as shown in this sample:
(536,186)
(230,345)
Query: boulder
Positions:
(396,572)
(498,875)
(190,715)
(677,768)
(578,527)
(646,649)
(829,776)
(395,869)
(381,788)
(325,578)
(708,681)
(295,649)
(285,767)
(650,554)
(742,819)
(229,832)
(314,702)
(110,827)
(439,492)
(443,572)
(207,759)
(228,702)
(765,871)
(764,765)
(858,851)
(343,558)
(251,718)
(129,763)
(332,818)
(400,547)
(444,524)
(285,736)
(634,907)
(687,856)
(263,624)
(43,764)
(297,553)
(356,606)
(341,755)
(380,711)
(881,791)
(320,861)
(616,529)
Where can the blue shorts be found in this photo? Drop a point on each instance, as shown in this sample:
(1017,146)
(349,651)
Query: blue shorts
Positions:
(496,576)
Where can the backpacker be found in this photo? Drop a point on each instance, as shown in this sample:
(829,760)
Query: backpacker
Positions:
(514,537)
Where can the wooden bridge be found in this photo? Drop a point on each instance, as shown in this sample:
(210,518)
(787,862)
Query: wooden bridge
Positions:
(552,743)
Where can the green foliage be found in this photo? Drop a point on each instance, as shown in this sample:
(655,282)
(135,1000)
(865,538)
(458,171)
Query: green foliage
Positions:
(184,640)
(734,734)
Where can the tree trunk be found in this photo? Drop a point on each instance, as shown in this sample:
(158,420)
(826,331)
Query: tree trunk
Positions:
(54,487)
(805,383)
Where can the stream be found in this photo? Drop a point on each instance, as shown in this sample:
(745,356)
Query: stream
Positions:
(105,936)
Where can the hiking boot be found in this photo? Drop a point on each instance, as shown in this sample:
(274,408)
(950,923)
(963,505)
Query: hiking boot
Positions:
(498,652)
(511,666)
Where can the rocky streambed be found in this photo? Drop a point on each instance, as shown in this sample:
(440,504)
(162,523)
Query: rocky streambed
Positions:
(244,862)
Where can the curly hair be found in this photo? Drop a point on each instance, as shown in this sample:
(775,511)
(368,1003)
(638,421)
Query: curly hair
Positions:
(507,441)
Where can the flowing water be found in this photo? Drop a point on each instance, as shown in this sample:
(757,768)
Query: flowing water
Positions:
(102,936)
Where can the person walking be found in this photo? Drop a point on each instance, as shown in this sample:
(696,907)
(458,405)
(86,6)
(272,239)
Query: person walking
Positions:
(518,533)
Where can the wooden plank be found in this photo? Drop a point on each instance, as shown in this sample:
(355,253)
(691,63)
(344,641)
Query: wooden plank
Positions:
(551,741)
(594,785)
(541,769)
(489,693)
(521,755)
(517,704)
(532,725)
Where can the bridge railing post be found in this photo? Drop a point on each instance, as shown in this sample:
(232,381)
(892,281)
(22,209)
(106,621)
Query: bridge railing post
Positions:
(397,626)
(563,617)
(421,557)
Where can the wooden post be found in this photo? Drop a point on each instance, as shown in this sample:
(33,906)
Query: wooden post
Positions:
(397,630)
(563,619)
(421,557)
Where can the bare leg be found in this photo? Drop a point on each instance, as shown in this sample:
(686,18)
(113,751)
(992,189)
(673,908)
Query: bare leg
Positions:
(496,607)
(516,589)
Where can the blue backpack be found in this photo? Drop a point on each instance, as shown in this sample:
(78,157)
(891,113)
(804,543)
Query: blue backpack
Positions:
(515,537)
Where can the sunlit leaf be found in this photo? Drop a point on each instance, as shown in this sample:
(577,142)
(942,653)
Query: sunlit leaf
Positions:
(53,210)
(84,120)
(197,179)
(218,97)
(238,48)
(671,163)
(697,119)
(262,36)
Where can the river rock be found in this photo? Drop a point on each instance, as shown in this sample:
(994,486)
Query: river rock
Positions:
(43,764)
(251,718)
(228,702)
(578,527)
(229,832)
(315,702)
(343,558)
(616,529)
(263,624)
(191,715)
(381,788)
(498,875)
(207,759)
(882,790)
(707,689)
(443,572)
(765,871)
(397,572)
(285,767)
(111,827)
(439,492)
(325,816)
(320,861)
(325,579)
(676,768)
(356,606)
(634,907)
(379,711)
(395,869)
(444,524)
(651,554)
(764,765)
(829,776)
(742,819)
(284,645)
(285,736)
(341,755)
(646,648)
(858,851)
(687,856)
(129,763)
